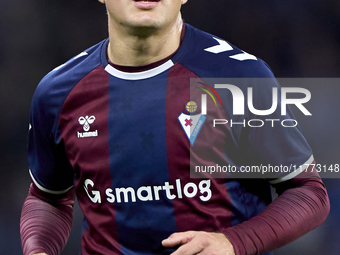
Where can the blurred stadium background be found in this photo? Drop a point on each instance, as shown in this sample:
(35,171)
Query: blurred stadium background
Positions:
(296,38)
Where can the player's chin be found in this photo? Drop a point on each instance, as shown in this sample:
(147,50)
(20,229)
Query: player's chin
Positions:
(147,21)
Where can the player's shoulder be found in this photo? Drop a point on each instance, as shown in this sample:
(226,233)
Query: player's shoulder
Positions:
(75,68)
(211,56)
(63,78)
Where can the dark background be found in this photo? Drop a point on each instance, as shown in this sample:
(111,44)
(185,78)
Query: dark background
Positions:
(296,38)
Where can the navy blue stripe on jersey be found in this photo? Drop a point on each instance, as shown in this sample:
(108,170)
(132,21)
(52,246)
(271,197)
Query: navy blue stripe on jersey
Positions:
(244,194)
(139,165)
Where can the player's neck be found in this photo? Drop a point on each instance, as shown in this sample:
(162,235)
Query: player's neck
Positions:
(141,47)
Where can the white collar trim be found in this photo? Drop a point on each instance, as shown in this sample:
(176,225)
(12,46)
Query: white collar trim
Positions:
(139,75)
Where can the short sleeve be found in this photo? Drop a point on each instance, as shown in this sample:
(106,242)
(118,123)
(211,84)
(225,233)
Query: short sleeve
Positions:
(49,167)
(275,140)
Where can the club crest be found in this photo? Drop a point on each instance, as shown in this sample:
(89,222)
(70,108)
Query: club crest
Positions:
(192,124)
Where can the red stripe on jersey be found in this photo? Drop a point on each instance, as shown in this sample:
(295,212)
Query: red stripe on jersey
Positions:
(84,125)
(193,213)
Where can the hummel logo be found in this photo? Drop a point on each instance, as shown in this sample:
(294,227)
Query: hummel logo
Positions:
(85,122)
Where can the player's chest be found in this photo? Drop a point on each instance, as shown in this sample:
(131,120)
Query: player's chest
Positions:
(136,121)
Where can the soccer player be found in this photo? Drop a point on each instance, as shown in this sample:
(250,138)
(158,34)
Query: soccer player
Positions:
(119,127)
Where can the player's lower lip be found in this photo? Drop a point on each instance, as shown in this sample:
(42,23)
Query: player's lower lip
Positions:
(146,4)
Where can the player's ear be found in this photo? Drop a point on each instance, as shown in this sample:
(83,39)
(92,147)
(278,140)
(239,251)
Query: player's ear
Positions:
(184,1)
(102,1)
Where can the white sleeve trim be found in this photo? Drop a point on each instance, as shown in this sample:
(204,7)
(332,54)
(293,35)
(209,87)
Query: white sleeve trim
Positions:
(48,190)
(295,173)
